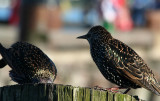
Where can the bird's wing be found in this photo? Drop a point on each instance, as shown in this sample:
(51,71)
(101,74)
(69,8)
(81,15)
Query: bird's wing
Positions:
(125,59)
(133,67)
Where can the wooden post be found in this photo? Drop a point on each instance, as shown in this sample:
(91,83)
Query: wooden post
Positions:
(57,92)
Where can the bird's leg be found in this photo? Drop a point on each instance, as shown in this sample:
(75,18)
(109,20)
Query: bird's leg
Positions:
(128,89)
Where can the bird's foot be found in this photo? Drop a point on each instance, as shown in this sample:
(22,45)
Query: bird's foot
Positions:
(113,90)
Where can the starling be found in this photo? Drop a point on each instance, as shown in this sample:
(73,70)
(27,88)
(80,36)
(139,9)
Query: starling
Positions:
(119,63)
(28,64)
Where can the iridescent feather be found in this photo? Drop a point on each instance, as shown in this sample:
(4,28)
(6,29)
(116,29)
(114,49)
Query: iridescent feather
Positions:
(119,63)
(28,63)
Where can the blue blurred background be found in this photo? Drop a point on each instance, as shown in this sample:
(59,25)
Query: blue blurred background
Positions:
(53,26)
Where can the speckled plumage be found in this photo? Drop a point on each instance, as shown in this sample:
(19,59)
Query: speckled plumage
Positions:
(28,64)
(119,63)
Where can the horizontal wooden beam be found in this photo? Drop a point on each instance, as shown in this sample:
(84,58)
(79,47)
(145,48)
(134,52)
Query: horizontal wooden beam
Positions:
(58,92)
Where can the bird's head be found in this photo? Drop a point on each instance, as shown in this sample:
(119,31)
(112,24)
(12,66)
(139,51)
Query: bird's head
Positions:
(96,33)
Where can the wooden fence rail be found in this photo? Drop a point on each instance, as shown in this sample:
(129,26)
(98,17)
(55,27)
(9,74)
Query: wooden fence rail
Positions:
(58,92)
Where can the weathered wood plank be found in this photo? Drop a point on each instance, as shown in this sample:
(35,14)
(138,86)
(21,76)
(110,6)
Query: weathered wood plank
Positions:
(81,94)
(99,95)
(57,92)
(110,96)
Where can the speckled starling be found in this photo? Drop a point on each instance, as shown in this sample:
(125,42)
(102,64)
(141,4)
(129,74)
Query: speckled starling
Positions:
(28,64)
(119,63)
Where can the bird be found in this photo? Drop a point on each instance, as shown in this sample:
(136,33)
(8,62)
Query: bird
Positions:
(28,63)
(119,63)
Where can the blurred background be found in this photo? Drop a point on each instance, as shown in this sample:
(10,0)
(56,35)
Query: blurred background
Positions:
(53,26)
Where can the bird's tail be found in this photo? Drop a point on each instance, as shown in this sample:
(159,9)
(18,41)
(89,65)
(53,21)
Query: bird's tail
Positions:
(154,86)
(2,52)
(2,63)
